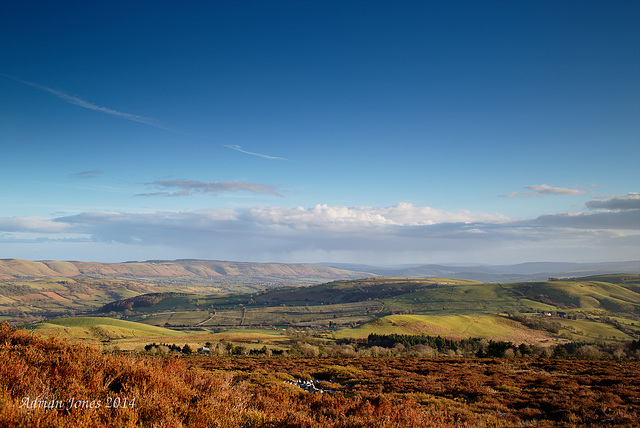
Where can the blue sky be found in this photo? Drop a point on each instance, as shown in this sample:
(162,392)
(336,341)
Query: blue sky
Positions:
(378,132)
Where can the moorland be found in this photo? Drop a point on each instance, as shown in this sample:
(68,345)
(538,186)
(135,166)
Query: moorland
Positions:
(377,351)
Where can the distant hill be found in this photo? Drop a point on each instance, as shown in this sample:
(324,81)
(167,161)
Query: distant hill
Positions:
(536,271)
(35,290)
(176,272)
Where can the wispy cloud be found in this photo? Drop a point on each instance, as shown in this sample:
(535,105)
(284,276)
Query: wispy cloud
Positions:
(87,174)
(510,195)
(88,105)
(239,149)
(189,187)
(543,190)
(31,224)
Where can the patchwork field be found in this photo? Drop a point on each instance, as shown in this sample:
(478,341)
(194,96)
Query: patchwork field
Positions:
(581,309)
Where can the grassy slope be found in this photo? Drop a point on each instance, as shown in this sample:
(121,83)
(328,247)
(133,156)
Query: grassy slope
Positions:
(488,326)
(97,328)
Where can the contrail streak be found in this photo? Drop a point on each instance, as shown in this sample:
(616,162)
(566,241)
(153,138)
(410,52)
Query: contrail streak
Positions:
(239,149)
(85,104)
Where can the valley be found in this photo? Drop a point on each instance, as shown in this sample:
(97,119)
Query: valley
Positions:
(602,308)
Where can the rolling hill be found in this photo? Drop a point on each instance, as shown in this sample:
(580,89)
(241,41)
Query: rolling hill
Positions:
(33,290)
(603,308)
(200,294)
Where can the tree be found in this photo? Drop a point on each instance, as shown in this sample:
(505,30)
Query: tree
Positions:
(560,352)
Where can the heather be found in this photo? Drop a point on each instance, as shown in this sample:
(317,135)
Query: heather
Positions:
(49,382)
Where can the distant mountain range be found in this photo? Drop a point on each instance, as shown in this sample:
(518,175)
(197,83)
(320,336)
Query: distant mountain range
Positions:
(535,271)
(204,272)
(177,272)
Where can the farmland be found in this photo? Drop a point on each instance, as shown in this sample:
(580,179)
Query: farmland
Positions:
(593,309)
(580,309)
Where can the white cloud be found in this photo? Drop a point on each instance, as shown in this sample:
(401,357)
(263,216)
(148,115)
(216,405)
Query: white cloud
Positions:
(403,214)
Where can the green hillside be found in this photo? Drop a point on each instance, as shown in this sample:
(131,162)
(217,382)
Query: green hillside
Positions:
(98,328)
(397,295)
(582,293)
(488,326)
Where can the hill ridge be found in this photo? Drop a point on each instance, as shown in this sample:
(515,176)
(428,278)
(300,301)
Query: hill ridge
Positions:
(11,269)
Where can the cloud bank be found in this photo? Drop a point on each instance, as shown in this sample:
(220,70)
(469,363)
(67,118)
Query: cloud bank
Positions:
(627,202)
(400,233)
